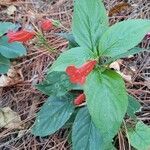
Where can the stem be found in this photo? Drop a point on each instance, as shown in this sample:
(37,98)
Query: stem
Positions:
(45,43)
(43,39)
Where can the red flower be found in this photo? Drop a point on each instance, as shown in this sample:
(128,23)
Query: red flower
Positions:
(20,36)
(46,25)
(80,99)
(78,75)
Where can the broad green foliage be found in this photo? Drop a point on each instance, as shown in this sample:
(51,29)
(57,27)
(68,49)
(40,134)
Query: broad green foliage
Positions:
(130,52)
(6,26)
(11,50)
(133,106)
(121,37)
(111,147)
(85,135)
(106,100)
(70,122)
(4,64)
(56,84)
(140,136)
(69,37)
(8,50)
(89,22)
(53,115)
(75,56)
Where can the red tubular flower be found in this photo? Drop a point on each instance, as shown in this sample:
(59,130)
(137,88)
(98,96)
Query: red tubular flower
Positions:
(20,36)
(80,99)
(78,75)
(46,25)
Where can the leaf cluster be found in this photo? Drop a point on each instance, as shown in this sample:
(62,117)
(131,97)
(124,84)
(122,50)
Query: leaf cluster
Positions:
(107,102)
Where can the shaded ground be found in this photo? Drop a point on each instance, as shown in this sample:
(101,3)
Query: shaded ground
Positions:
(23,98)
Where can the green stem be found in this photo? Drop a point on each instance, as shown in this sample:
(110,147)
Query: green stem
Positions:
(45,43)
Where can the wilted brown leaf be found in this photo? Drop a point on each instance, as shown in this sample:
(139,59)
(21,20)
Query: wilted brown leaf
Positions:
(8,2)
(116,66)
(13,77)
(9,119)
(121,8)
(127,78)
(11,10)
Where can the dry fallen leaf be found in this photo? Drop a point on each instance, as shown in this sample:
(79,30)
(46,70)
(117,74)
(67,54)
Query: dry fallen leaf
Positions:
(121,8)
(10,2)
(116,66)
(11,10)
(128,78)
(9,119)
(4,81)
(13,77)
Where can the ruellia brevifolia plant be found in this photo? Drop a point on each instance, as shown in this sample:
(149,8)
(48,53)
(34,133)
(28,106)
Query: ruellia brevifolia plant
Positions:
(86,96)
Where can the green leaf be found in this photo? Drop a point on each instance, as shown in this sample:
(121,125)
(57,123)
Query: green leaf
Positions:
(5,26)
(85,136)
(140,136)
(11,50)
(107,101)
(89,22)
(132,51)
(121,37)
(71,120)
(75,56)
(70,38)
(111,147)
(133,106)
(53,115)
(56,84)
(4,64)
